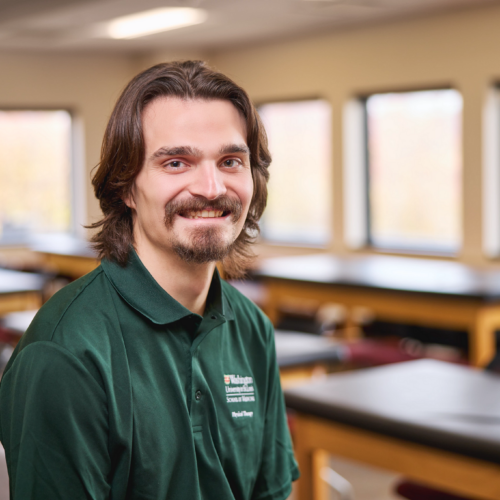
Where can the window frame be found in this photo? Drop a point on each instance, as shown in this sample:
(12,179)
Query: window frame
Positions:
(356,173)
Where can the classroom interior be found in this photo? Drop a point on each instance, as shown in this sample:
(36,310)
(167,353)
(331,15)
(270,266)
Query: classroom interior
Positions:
(386,329)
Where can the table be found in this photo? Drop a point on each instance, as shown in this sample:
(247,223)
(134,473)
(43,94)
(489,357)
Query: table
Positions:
(432,421)
(18,321)
(406,290)
(301,356)
(66,255)
(20,291)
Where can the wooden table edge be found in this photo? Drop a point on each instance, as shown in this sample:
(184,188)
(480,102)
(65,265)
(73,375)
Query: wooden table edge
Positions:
(313,436)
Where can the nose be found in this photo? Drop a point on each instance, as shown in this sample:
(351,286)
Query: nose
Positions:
(208,181)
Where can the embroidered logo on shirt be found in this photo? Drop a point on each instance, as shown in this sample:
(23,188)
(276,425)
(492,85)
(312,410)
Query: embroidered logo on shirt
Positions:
(238,414)
(239,390)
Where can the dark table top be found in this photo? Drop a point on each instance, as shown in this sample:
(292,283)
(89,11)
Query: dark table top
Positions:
(63,245)
(386,273)
(446,406)
(16,281)
(295,349)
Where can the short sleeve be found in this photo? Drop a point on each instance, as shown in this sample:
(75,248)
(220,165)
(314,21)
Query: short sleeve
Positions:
(278,466)
(54,427)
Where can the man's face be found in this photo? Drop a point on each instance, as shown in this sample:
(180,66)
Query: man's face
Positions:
(193,192)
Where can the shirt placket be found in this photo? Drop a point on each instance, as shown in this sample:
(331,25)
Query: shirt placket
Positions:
(199,387)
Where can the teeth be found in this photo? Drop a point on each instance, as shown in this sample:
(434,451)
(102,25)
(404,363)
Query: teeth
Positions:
(205,214)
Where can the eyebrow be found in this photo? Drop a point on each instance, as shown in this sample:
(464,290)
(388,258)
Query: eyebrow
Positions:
(192,151)
(234,148)
(175,151)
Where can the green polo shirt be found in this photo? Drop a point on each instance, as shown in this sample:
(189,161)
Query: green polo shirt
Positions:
(117,391)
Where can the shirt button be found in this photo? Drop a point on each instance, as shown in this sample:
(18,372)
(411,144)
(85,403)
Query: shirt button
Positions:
(197,395)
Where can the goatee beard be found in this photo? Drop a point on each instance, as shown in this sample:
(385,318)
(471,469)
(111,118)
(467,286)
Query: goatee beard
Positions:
(206,244)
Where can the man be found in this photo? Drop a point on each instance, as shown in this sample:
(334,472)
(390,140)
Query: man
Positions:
(150,378)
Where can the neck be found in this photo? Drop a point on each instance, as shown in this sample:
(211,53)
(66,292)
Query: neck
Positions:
(186,282)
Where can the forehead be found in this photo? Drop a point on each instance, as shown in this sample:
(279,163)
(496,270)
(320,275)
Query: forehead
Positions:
(171,121)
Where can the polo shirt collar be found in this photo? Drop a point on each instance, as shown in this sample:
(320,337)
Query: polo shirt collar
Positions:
(141,291)
(216,299)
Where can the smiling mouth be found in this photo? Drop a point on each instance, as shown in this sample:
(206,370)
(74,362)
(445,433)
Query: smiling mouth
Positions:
(205,214)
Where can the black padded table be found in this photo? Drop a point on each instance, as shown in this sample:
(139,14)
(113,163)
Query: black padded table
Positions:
(298,349)
(302,356)
(407,290)
(431,421)
(20,291)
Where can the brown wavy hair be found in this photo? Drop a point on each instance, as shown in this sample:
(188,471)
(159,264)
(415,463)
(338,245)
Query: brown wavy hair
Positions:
(123,151)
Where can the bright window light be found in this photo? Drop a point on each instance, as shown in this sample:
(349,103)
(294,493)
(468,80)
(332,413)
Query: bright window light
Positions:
(154,21)
(415,170)
(35,173)
(299,205)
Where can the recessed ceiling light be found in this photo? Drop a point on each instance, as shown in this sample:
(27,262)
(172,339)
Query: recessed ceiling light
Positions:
(154,21)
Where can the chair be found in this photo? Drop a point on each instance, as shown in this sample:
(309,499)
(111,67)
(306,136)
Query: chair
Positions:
(415,491)
(334,320)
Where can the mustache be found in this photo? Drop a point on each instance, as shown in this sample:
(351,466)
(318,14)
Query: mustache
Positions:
(197,203)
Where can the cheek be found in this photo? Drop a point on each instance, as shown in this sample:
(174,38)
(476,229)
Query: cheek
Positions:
(248,191)
(155,197)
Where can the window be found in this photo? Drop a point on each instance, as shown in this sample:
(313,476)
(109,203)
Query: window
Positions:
(35,173)
(414,158)
(299,206)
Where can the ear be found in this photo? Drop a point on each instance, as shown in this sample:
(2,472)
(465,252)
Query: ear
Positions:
(128,199)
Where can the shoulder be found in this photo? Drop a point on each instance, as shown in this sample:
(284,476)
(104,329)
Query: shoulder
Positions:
(77,298)
(76,319)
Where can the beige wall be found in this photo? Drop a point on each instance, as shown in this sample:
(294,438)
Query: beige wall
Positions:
(461,49)
(87,85)
(160,56)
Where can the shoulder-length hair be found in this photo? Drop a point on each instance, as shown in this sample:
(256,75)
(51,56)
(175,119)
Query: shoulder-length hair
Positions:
(123,151)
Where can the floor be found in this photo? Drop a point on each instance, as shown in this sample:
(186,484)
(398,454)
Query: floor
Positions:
(368,483)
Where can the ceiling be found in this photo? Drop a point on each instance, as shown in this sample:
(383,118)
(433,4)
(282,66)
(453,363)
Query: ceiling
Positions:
(76,25)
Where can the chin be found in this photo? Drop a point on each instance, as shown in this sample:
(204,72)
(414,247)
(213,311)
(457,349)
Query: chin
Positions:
(204,245)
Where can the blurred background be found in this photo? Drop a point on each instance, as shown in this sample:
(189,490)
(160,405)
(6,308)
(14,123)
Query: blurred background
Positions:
(399,89)
(383,118)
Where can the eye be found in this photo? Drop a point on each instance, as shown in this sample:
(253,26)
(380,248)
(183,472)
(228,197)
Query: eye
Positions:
(176,164)
(231,162)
